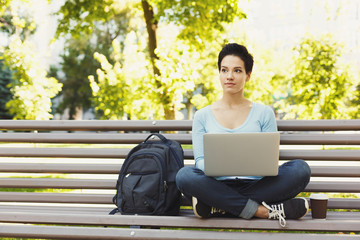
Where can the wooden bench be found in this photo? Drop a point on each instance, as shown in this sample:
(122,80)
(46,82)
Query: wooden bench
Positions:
(58,179)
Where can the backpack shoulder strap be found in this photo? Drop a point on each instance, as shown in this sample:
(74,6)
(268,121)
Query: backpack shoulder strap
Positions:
(161,137)
(115,210)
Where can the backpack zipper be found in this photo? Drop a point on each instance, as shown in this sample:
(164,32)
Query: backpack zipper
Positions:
(139,173)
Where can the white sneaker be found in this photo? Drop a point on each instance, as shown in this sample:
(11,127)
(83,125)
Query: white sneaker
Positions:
(291,209)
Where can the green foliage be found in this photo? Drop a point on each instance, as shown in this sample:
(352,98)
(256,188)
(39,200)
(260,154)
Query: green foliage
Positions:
(5,78)
(267,76)
(183,71)
(31,89)
(77,63)
(319,85)
(207,85)
(78,60)
(4,5)
(11,22)
(121,92)
(110,90)
(77,17)
(198,24)
(200,21)
(354,102)
(6,25)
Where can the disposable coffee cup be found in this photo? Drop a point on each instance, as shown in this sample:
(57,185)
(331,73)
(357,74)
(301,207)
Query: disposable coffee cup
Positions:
(318,204)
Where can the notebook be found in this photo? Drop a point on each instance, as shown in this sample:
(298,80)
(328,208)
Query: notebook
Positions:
(241,154)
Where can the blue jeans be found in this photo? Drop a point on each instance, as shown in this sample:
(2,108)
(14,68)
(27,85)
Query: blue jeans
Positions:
(241,197)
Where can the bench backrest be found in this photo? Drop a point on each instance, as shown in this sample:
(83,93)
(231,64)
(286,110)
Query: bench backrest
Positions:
(83,158)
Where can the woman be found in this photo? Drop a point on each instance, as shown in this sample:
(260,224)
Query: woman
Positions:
(246,197)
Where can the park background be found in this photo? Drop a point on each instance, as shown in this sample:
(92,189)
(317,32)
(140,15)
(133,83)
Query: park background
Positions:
(93,59)
(152,59)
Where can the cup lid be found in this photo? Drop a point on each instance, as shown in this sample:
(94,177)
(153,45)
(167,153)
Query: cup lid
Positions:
(319,196)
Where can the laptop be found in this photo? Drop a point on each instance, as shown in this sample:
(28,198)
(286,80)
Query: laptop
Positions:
(241,154)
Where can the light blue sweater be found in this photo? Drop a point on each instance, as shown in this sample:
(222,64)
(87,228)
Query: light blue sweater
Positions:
(260,119)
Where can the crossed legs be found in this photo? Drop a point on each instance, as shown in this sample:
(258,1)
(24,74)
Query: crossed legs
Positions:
(243,197)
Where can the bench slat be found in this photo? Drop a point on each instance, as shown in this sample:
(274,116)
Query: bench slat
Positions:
(326,155)
(338,171)
(333,186)
(65,152)
(344,203)
(334,221)
(58,208)
(59,232)
(318,125)
(60,168)
(87,138)
(43,197)
(97,125)
(57,183)
(313,186)
(320,139)
(135,138)
(166,125)
(87,198)
(316,171)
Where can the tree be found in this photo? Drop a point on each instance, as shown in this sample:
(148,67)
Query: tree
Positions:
(30,87)
(199,25)
(266,78)
(78,61)
(189,76)
(110,90)
(354,102)
(32,90)
(5,78)
(197,22)
(76,65)
(122,89)
(319,85)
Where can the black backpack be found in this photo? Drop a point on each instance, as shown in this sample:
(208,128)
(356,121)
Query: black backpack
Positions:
(146,183)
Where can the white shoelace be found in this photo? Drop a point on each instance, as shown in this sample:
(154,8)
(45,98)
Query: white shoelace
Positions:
(276,212)
(217,210)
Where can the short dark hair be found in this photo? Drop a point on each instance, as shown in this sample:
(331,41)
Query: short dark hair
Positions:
(239,51)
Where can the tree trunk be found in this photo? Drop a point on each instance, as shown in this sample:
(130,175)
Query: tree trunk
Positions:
(169,113)
(189,108)
(151,27)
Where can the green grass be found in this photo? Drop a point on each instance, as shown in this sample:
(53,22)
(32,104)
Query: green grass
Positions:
(342,148)
(65,145)
(33,190)
(331,195)
(36,189)
(22,238)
